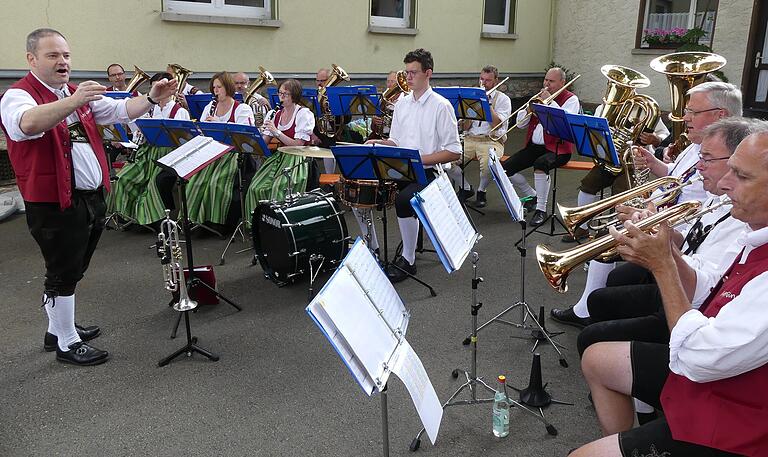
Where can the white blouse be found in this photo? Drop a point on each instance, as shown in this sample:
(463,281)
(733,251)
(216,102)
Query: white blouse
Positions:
(243,114)
(305,123)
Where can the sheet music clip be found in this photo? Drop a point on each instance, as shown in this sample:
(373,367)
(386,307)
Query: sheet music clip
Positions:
(418,197)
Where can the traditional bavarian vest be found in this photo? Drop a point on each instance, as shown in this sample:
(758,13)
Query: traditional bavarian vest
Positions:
(730,414)
(291,132)
(43,166)
(552,143)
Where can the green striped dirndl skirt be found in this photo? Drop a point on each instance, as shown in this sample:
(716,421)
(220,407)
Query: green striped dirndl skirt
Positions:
(269,184)
(209,192)
(135,193)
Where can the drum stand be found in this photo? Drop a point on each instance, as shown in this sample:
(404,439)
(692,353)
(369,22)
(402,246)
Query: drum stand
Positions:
(193,283)
(240,228)
(472,381)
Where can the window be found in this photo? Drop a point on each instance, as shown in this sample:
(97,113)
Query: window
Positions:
(499,16)
(226,8)
(659,16)
(391,13)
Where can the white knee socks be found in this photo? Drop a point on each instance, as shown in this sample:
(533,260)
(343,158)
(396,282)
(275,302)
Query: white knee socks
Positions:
(521,185)
(61,319)
(585,199)
(409,230)
(596,278)
(541,181)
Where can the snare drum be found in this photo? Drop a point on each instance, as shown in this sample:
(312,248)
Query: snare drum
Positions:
(286,234)
(364,193)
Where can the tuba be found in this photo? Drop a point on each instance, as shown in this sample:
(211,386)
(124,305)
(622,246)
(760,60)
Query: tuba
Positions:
(388,103)
(169,251)
(265,78)
(180,74)
(327,124)
(139,77)
(684,70)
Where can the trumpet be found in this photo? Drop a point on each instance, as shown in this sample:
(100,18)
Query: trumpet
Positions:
(575,216)
(557,265)
(169,251)
(527,107)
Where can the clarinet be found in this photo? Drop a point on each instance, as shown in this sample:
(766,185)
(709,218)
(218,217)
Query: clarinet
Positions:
(212,111)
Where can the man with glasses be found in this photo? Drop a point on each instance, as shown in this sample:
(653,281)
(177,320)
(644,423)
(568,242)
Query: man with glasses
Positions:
(424,121)
(699,115)
(259,103)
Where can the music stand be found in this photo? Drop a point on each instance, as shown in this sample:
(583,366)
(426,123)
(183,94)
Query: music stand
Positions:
(308,99)
(198,102)
(383,164)
(469,103)
(354,101)
(246,140)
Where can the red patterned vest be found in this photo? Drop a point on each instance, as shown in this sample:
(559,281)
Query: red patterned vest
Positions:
(730,414)
(552,143)
(43,166)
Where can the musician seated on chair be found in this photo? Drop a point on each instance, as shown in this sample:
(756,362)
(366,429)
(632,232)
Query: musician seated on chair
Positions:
(542,151)
(292,123)
(259,103)
(424,121)
(710,379)
(378,128)
(726,98)
(477,142)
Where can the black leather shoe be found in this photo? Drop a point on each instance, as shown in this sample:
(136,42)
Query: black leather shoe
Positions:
(397,271)
(465,194)
(538,218)
(480,201)
(568,317)
(529,203)
(579,234)
(51,341)
(81,354)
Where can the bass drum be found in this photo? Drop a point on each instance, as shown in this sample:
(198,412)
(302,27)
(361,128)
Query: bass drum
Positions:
(287,234)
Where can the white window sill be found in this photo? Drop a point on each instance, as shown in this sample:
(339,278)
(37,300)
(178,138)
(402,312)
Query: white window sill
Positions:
(499,36)
(249,21)
(392,30)
(651,51)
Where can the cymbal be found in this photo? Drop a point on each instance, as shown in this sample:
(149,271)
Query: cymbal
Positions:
(307,151)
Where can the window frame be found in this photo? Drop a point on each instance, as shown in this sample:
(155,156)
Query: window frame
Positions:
(219,8)
(406,22)
(509,20)
(642,22)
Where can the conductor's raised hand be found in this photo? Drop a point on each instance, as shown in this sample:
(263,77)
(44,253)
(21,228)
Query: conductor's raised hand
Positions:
(87,92)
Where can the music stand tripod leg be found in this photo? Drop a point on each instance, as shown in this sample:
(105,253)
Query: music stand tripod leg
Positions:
(190,348)
(241,193)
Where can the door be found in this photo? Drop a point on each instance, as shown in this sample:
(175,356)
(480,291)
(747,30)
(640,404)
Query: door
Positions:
(756,64)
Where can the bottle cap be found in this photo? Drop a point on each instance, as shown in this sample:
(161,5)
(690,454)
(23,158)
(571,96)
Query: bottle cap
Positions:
(502,379)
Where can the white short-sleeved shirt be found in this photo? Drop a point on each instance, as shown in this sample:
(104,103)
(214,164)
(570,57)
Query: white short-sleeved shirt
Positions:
(106,110)
(243,114)
(427,124)
(305,123)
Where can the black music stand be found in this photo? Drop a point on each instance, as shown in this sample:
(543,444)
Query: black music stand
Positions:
(383,164)
(354,101)
(246,140)
(469,103)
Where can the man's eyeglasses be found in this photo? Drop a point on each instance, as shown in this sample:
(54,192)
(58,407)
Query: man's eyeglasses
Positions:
(709,161)
(693,112)
(413,73)
(117,74)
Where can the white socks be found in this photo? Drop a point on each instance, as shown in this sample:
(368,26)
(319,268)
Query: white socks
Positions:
(596,278)
(485,179)
(61,319)
(329,165)
(521,185)
(643,408)
(409,231)
(457,174)
(360,216)
(541,181)
(585,199)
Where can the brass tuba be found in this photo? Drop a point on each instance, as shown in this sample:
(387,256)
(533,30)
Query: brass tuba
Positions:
(327,125)
(139,77)
(684,70)
(180,74)
(388,99)
(265,79)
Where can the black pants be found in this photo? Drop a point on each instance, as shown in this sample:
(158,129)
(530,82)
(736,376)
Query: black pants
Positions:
(67,238)
(403,206)
(598,178)
(536,156)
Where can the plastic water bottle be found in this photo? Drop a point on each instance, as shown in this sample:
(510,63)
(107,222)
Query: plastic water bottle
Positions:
(501,409)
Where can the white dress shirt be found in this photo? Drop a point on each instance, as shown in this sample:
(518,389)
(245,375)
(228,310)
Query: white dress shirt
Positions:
(164,112)
(243,114)
(733,342)
(571,105)
(305,123)
(106,110)
(427,124)
(503,107)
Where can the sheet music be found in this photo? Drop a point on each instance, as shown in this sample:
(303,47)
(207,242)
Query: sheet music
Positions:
(410,370)
(508,194)
(194,155)
(446,189)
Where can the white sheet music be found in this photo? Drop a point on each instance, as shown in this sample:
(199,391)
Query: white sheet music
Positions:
(508,194)
(194,155)
(447,220)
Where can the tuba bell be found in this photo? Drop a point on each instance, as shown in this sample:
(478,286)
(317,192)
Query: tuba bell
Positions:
(388,99)
(265,78)
(139,77)
(684,70)
(327,124)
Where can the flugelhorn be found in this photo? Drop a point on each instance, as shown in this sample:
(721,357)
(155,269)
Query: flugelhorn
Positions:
(139,77)
(527,107)
(557,265)
(169,251)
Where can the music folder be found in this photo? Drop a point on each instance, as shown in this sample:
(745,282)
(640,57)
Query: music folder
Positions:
(362,316)
(245,138)
(508,194)
(193,156)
